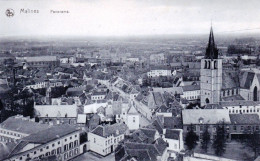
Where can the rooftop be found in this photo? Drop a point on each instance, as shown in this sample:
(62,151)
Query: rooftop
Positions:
(208,116)
(22,125)
(107,130)
(56,110)
(244,119)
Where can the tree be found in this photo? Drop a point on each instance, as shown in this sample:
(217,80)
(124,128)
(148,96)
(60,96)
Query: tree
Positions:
(219,143)
(191,138)
(205,139)
(252,141)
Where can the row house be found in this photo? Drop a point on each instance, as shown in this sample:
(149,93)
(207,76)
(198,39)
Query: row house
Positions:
(241,107)
(60,141)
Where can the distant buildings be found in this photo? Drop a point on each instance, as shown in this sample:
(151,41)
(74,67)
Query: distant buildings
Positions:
(159,71)
(41,61)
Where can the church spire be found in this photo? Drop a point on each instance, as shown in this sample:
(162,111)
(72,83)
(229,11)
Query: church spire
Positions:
(211,51)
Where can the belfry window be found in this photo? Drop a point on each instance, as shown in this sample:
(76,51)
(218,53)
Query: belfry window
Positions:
(205,67)
(215,64)
(209,65)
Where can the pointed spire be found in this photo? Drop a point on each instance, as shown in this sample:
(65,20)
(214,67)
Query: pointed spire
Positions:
(211,51)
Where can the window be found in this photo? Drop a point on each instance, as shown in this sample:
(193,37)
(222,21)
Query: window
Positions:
(40,150)
(65,139)
(234,128)
(75,143)
(76,151)
(59,150)
(70,137)
(66,147)
(58,142)
(242,127)
(257,128)
(53,152)
(94,140)
(71,145)
(21,158)
(133,119)
(47,147)
(35,152)
(53,145)
(76,135)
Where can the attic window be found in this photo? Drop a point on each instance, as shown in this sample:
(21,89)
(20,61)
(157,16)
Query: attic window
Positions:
(201,120)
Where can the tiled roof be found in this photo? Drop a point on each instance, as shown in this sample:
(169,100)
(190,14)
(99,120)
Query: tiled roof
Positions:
(237,103)
(172,134)
(23,126)
(246,79)
(230,80)
(149,132)
(244,119)
(56,110)
(213,106)
(172,122)
(50,134)
(209,116)
(107,130)
(139,154)
(158,98)
(44,136)
(132,110)
(191,88)
(233,98)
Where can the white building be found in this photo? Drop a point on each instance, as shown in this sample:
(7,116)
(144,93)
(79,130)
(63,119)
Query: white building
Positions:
(242,107)
(132,119)
(191,92)
(159,72)
(61,142)
(104,139)
(174,138)
(98,95)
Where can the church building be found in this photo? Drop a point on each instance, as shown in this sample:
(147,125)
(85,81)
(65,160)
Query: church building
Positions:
(211,74)
(218,85)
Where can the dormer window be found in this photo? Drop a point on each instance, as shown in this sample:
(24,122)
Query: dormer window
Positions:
(201,120)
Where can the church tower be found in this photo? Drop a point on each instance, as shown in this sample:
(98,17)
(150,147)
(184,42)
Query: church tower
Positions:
(210,74)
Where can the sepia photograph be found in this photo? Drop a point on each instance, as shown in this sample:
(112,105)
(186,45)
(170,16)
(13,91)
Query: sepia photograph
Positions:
(129,80)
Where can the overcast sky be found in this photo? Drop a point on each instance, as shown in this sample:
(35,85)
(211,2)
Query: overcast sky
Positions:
(128,17)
